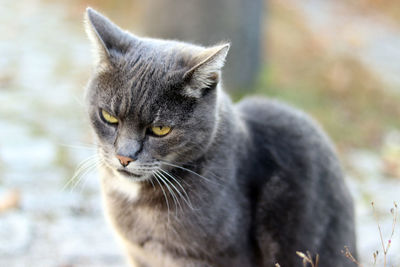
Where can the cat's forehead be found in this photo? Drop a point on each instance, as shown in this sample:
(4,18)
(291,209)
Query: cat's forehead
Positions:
(141,84)
(156,64)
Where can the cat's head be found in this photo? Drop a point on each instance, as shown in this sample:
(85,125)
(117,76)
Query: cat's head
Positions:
(152,103)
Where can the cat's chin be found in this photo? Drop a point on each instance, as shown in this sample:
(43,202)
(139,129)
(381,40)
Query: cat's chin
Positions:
(134,177)
(129,174)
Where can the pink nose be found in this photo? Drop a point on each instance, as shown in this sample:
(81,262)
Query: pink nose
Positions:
(124,160)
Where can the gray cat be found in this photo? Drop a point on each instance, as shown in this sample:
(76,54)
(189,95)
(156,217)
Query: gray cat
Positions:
(191,179)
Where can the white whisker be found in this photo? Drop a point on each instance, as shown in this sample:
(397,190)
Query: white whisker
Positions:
(188,170)
(83,174)
(172,192)
(86,177)
(165,196)
(186,199)
(159,175)
(151,181)
(76,146)
(82,167)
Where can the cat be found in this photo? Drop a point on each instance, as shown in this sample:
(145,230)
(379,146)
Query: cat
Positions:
(190,179)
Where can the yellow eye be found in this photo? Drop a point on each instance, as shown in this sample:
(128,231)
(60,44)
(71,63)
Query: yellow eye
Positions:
(161,130)
(108,117)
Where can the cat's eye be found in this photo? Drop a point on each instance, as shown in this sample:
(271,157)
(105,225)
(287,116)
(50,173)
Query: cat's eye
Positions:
(160,130)
(108,117)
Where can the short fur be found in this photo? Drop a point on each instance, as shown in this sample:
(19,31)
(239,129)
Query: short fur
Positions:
(245,184)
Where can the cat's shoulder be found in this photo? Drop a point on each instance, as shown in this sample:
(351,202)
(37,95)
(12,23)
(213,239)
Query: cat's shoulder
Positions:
(273,112)
(273,120)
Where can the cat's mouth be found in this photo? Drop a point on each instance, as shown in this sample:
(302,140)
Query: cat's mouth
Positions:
(129,174)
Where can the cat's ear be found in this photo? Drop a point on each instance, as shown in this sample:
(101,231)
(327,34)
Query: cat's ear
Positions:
(105,36)
(206,71)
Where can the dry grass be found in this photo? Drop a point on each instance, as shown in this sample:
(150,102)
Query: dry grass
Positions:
(385,244)
(349,101)
(308,259)
(388,8)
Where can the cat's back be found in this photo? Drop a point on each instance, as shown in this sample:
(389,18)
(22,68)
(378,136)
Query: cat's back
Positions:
(295,182)
(287,132)
(264,112)
(285,141)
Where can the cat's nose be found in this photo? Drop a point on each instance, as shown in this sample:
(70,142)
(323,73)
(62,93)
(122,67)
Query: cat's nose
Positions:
(124,160)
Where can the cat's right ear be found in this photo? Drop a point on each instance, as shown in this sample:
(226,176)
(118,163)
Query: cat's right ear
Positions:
(206,71)
(105,36)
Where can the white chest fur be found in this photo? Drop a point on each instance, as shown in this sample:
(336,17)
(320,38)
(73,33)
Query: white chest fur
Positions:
(116,182)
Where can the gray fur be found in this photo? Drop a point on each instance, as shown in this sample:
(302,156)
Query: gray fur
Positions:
(245,184)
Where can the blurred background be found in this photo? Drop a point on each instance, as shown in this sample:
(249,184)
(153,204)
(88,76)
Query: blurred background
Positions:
(338,60)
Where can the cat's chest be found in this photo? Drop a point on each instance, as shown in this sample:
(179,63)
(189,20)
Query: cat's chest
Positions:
(159,232)
(176,247)
(147,226)
(155,238)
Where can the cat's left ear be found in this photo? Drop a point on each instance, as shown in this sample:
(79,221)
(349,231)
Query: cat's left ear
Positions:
(206,73)
(105,35)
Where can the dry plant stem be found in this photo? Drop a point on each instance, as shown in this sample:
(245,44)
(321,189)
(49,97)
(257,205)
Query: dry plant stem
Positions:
(308,259)
(394,213)
(350,256)
(375,257)
(385,249)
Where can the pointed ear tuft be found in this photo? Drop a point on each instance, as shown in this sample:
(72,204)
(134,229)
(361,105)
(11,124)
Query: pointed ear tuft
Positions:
(206,71)
(104,34)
